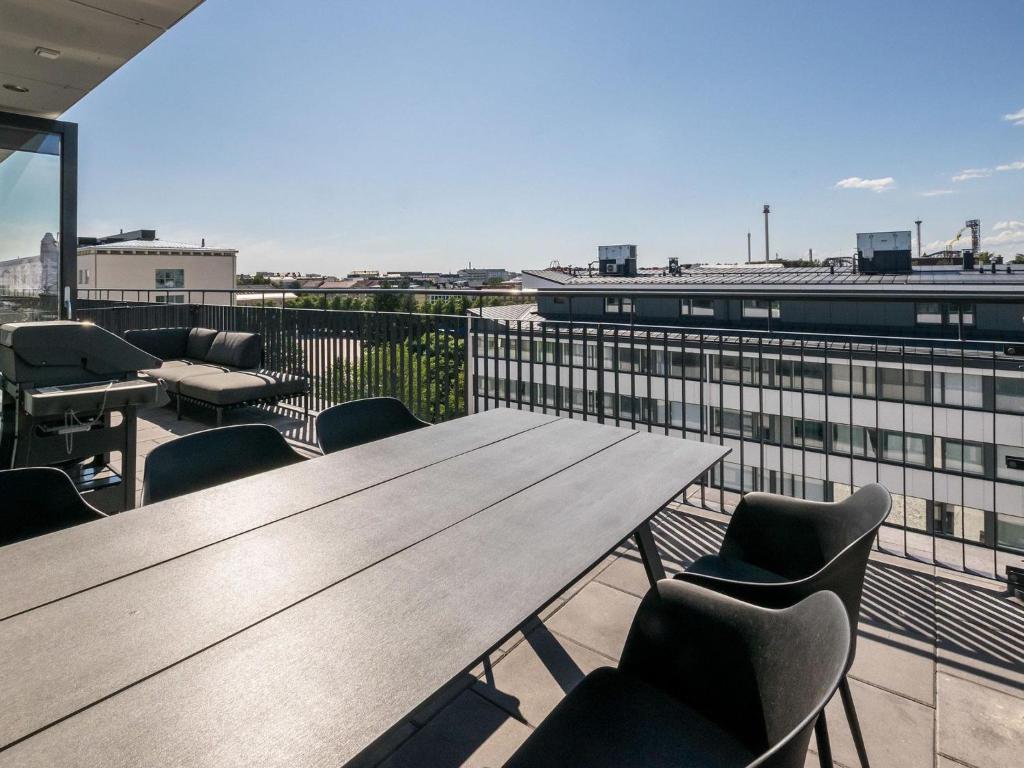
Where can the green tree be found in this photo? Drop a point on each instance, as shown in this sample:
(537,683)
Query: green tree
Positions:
(427,372)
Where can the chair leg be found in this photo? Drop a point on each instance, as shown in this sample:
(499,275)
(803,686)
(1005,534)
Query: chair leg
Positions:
(824,747)
(851,717)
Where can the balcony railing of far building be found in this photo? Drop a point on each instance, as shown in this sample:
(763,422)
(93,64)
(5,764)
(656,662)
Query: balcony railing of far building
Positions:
(939,421)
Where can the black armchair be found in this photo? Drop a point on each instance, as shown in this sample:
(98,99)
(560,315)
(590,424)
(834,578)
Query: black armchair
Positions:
(363,421)
(778,550)
(211,457)
(38,500)
(704,680)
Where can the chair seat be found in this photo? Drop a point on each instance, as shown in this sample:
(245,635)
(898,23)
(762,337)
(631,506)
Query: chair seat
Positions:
(732,570)
(614,720)
(241,387)
(173,375)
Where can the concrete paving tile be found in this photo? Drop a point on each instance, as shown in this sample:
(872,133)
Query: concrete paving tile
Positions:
(898,732)
(627,574)
(518,636)
(898,663)
(979,725)
(587,578)
(469,733)
(534,677)
(598,617)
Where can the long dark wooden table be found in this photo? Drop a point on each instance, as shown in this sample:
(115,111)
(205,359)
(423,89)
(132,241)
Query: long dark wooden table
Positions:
(294,617)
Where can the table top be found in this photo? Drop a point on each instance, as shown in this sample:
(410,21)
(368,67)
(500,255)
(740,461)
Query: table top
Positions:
(294,617)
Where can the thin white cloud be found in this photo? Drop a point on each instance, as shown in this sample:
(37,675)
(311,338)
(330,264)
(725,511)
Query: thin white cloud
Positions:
(972,173)
(1012,224)
(937,192)
(1016,165)
(875,185)
(1017,118)
(1013,235)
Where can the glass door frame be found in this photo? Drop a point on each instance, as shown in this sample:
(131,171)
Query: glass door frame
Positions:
(68,132)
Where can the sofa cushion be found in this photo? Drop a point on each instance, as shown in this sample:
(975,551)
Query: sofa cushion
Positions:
(236,349)
(165,343)
(173,375)
(199,341)
(238,387)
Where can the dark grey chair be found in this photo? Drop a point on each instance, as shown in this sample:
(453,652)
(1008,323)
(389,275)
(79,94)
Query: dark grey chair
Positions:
(38,500)
(705,680)
(214,456)
(363,421)
(778,550)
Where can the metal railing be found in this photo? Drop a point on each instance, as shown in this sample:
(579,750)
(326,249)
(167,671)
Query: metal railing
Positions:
(940,422)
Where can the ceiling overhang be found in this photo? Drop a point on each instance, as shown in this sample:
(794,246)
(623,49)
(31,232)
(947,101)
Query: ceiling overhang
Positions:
(92,39)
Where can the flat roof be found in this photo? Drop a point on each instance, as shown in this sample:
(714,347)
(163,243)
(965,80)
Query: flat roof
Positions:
(722,279)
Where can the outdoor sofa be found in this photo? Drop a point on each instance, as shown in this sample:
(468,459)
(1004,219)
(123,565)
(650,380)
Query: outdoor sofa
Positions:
(215,369)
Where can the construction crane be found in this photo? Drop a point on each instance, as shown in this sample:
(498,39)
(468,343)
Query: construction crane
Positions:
(975,226)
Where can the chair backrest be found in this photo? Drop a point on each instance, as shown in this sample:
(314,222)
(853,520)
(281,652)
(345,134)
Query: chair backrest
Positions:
(214,456)
(816,545)
(38,500)
(760,674)
(363,421)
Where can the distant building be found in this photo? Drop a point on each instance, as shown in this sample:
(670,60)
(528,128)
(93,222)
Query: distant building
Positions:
(165,271)
(477,277)
(817,379)
(33,275)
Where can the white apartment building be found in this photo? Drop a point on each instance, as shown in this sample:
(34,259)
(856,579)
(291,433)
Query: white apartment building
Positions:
(161,271)
(944,432)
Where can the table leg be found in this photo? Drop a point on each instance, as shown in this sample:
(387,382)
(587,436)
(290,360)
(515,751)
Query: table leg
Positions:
(649,553)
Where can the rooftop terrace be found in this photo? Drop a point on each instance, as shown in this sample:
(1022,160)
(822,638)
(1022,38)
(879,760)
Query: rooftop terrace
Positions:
(938,679)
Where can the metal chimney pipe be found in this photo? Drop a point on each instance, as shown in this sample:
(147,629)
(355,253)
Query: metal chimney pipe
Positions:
(767,252)
(748,248)
(918,223)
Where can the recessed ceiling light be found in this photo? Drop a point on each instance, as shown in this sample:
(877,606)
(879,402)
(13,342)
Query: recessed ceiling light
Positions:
(47,53)
(15,88)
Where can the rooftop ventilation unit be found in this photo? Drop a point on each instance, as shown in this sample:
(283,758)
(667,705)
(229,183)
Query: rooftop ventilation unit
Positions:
(883,252)
(617,260)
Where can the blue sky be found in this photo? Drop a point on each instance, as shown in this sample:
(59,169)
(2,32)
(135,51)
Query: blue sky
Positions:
(330,136)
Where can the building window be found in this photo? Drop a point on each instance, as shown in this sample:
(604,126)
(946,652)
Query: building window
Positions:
(1009,394)
(856,380)
(928,314)
(965,457)
(893,444)
(170,278)
(934,313)
(176,299)
(957,313)
(697,307)
(760,308)
(907,385)
(614,305)
(958,389)
(702,307)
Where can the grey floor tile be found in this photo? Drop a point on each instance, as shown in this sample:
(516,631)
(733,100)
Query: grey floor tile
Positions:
(537,674)
(979,725)
(897,663)
(898,732)
(598,618)
(626,574)
(471,732)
